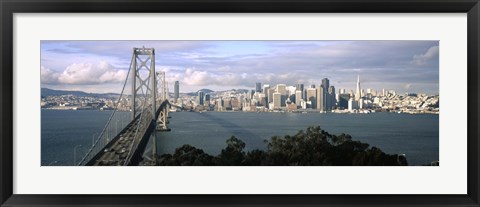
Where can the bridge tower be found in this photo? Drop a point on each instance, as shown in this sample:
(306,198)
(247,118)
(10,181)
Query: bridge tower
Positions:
(143,81)
(163,94)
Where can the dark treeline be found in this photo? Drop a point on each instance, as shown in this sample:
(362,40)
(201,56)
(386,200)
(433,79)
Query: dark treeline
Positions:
(313,147)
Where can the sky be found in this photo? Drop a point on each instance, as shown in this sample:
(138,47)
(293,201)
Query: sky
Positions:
(102,66)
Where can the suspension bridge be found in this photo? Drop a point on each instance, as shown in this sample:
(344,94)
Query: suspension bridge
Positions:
(135,143)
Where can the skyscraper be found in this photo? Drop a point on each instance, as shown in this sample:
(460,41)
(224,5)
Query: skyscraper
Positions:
(176,91)
(207,98)
(269,95)
(282,89)
(298,97)
(266,89)
(331,95)
(325,99)
(343,100)
(277,98)
(299,87)
(312,96)
(200,98)
(258,87)
(358,92)
(320,99)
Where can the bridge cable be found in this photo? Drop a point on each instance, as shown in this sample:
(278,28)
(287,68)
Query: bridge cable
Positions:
(110,118)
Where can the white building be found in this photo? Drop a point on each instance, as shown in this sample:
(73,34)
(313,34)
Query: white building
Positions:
(298,97)
(352,104)
(277,100)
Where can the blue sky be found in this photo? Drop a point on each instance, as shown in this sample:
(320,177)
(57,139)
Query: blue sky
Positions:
(101,66)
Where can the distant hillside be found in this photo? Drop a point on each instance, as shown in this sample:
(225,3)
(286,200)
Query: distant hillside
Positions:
(205,90)
(210,91)
(51,92)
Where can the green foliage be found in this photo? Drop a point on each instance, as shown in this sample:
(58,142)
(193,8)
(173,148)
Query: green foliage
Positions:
(233,154)
(186,156)
(313,147)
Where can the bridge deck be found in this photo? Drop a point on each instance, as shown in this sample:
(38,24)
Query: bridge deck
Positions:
(130,142)
(115,153)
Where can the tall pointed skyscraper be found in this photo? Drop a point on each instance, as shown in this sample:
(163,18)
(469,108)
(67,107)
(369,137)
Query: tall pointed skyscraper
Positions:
(358,93)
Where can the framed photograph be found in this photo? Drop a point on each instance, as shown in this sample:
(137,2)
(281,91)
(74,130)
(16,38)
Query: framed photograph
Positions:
(264,103)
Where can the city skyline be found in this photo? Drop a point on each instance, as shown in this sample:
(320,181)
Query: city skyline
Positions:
(101,66)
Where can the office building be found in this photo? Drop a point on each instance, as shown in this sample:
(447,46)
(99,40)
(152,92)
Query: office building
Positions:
(176,91)
(312,97)
(320,99)
(299,87)
(352,104)
(343,100)
(331,95)
(298,97)
(258,87)
(201,98)
(277,98)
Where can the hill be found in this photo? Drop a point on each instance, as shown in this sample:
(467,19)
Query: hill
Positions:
(51,92)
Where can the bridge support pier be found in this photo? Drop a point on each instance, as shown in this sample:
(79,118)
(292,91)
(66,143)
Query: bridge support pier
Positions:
(162,120)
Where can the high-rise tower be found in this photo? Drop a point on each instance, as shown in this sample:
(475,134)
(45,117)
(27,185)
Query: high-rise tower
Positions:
(176,89)
(358,92)
(258,87)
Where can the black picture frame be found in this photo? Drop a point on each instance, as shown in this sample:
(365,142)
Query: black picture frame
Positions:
(10,7)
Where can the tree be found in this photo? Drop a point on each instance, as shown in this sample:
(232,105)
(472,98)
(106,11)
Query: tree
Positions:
(312,147)
(187,156)
(233,154)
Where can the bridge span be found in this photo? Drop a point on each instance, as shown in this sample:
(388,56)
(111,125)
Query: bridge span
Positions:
(135,144)
(128,147)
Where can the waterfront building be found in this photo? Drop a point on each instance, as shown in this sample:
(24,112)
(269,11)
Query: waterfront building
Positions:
(326,94)
(277,98)
(265,91)
(331,96)
(261,99)
(220,105)
(303,104)
(298,97)
(176,91)
(291,106)
(299,87)
(321,99)
(312,97)
(343,100)
(270,95)
(352,104)
(201,98)
(341,91)
(282,89)
(207,99)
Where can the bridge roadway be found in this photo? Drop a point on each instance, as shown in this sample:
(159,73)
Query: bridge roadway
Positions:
(128,146)
(116,152)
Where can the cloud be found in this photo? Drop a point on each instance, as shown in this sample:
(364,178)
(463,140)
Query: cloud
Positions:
(239,64)
(84,73)
(48,76)
(204,78)
(422,59)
